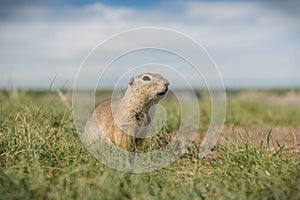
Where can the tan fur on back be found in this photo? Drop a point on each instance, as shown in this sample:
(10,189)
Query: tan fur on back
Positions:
(122,121)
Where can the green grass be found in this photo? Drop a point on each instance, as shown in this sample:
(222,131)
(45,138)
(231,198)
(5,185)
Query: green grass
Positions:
(250,112)
(42,157)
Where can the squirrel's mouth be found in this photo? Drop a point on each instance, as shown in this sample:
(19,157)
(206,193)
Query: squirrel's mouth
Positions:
(163,92)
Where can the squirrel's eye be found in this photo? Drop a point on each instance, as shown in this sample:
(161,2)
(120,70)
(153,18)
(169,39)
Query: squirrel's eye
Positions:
(146,78)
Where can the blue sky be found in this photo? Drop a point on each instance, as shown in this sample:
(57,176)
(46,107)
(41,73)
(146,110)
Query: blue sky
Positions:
(253,43)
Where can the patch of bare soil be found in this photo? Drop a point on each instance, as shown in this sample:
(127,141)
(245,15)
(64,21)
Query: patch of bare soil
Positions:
(288,136)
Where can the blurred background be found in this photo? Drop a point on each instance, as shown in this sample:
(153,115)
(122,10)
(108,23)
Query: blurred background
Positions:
(255,44)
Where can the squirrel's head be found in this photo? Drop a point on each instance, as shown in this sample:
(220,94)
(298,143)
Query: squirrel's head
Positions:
(148,87)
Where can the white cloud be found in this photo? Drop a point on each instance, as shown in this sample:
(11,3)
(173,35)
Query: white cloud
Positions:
(240,36)
(220,11)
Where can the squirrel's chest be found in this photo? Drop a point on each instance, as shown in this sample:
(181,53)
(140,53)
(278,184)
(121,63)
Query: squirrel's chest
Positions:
(141,118)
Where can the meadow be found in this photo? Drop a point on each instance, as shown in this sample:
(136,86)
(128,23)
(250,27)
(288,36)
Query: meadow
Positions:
(256,157)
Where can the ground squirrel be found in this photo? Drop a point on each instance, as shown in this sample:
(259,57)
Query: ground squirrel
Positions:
(124,121)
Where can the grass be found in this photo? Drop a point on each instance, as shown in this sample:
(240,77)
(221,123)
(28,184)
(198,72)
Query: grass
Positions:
(42,157)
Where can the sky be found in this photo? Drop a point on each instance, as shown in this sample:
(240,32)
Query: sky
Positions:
(254,44)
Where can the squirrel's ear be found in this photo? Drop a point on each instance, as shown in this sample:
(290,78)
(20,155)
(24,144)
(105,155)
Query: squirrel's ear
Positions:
(131,81)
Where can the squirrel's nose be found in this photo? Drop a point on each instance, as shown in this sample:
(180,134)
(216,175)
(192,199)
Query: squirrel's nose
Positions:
(167,83)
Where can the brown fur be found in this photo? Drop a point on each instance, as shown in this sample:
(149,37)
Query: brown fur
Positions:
(122,120)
